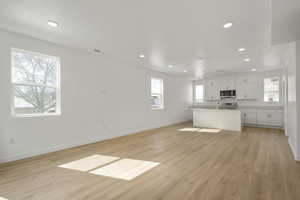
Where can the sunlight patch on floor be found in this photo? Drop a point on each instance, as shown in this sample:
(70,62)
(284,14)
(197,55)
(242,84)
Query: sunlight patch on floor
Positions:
(126,169)
(2,198)
(200,130)
(209,130)
(188,129)
(89,163)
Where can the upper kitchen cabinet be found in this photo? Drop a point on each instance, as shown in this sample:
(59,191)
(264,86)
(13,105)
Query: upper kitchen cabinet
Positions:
(227,83)
(212,91)
(246,87)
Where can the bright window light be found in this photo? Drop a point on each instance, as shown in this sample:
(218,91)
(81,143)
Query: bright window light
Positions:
(36,84)
(89,163)
(126,169)
(2,198)
(188,129)
(157,93)
(199,93)
(271,89)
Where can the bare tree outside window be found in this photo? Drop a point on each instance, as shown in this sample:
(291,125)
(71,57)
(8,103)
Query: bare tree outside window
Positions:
(35,83)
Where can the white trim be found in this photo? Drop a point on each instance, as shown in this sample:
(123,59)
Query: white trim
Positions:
(49,150)
(296,157)
(34,84)
(158,108)
(36,115)
(76,144)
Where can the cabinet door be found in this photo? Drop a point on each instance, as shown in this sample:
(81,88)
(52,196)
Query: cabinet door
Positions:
(240,91)
(226,84)
(270,117)
(274,117)
(211,90)
(251,88)
(207,90)
(246,88)
(249,116)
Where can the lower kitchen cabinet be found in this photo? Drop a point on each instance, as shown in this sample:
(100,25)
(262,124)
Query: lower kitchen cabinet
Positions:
(249,116)
(270,117)
(262,117)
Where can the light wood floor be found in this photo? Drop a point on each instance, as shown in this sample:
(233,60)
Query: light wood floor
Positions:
(252,165)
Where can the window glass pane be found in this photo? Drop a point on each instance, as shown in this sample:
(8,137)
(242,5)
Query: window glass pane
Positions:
(35,69)
(35,83)
(156,101)
(271,89)
(156,93)
(34,99)
(156,86)
(199,93)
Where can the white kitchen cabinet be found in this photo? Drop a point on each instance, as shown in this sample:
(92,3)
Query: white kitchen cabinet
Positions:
(227,84)
(249,116)
(211,90)
(270,117)
(262,117)
(246,87)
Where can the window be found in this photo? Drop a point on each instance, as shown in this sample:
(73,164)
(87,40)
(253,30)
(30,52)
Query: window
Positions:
(157,98)
(199,93)
(35,80)
(271,89)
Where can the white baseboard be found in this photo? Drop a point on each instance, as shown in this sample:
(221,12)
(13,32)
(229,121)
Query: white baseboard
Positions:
(71,145)
(296,157)
(49,150)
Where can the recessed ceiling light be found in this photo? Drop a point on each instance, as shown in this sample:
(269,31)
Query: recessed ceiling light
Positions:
(170,66)
(53,23)
(247,60)
(185,71)
(142,56)
(253,69)
(241,49)
(227,25)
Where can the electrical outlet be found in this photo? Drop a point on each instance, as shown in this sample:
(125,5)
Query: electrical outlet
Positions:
(11,140)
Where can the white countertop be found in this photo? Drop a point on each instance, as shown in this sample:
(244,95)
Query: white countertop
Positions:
(218,110)
(240,107)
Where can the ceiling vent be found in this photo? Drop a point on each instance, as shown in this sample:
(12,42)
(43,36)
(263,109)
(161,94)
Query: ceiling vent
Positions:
(97,51)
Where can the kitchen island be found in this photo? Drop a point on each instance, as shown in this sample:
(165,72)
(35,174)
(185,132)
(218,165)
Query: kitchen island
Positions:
(217,118)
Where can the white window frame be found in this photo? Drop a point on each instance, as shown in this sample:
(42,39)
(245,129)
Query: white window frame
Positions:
(58,87)
(279,90)
(201,100)
(162,93)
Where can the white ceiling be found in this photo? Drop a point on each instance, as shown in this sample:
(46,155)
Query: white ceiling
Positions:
(187,34)
(285,21)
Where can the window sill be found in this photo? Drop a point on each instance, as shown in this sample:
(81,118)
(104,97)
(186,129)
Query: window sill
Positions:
(36,115)
(158,108)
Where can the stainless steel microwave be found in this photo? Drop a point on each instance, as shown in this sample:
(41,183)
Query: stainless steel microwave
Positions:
(227,93)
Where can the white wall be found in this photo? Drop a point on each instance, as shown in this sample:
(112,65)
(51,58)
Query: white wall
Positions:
(101,98)
(292,98)
(298,98)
